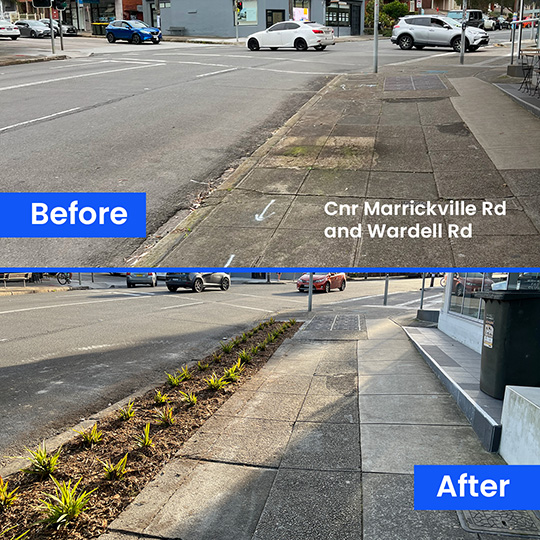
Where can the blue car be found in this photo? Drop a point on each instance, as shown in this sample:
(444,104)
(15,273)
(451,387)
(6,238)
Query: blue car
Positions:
(132,31)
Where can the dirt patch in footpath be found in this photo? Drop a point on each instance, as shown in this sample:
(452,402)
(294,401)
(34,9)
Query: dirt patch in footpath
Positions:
(79,462)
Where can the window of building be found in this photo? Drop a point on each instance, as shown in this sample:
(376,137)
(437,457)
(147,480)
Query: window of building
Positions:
(301,9)
(248,15)
(463,299)
(338,14)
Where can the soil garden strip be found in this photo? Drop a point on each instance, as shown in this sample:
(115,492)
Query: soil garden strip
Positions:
(77,461)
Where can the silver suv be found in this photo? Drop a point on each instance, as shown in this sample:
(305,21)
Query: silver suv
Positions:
(435,31)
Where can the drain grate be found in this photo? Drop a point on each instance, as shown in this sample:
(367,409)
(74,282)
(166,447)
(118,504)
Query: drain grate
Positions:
(343,326)
(415,82)
(522,523)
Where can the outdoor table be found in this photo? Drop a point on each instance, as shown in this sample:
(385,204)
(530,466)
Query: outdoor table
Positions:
(531,69)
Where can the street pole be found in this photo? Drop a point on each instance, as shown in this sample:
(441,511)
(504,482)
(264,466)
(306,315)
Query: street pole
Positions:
(60,25)
(52,30)
(236,20)
(80,282)
(520,29)
(423,289)
(385,298)
(463,37)
(376,36)
(310,294)
(291,10)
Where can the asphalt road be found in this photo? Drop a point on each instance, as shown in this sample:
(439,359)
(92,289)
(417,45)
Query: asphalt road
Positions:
(67,355)
(167,120)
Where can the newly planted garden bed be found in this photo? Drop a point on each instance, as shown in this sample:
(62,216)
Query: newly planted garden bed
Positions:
(115,460)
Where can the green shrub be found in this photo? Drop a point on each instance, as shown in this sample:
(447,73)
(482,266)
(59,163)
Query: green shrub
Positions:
(165,417)
(189,398)
(7,498)
(91,436)
(215,383)
(65,504)
(160,398)
(41,463)
(144,440)
(128,412)
(114,472)
(395,9)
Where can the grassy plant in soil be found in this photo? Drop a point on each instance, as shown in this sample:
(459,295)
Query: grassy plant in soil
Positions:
(85,465)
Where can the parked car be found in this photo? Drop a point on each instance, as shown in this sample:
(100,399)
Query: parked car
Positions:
(141,278)
(298,34)
(470,283)
(489,24)
(33,29)
(473,17)
(504,23)
(435,31)
(67,29)
(133,31)
(323,282)
(9,30)
(197,281)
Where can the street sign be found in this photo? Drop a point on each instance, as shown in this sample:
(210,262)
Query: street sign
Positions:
(418,3)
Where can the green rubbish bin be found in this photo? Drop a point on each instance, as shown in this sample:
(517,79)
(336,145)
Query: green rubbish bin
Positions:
(511,341)
(98,29)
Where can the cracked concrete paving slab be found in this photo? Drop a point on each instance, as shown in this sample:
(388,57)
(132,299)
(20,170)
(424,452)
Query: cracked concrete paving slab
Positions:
(426,383)
(274,181)
(313,505)
(337,384)
(402,185)
(334,409)
(335,183)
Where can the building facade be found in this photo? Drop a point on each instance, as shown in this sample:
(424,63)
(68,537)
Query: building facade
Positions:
(216,18)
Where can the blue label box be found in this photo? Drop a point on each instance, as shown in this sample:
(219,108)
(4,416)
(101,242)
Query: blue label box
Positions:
(477,487)
(73,215)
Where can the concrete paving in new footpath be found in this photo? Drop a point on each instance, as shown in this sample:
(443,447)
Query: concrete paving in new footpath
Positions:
(430,130)
(320,444)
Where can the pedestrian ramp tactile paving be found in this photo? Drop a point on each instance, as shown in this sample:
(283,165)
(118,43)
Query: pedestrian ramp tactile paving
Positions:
(414,82)
(519,523)
(330,327)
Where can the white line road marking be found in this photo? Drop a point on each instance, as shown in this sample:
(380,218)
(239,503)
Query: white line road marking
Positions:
(257,296)
(261,216)
(412,61)
(38,119)
(418,300)
(216,72)
(388,307)
(244,307)
(72,304)
(37,83)
(229,261)
(183,305)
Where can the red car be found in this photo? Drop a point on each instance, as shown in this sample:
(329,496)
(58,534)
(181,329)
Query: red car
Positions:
(469,283)
(323,282)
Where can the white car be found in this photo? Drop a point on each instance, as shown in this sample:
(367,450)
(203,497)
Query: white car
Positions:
(489,24)
(9,30)
(298,34)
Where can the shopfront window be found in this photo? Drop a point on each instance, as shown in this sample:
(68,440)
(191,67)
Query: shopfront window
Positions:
(338,14)
(463,299)
(248,14)
(301,9)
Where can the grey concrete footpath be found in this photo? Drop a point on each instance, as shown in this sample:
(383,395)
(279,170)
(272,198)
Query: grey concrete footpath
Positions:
(320,444)
(421,131)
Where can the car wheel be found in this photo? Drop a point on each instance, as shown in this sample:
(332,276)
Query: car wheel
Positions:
(172,288)
(419,47)
(225,284)
(473,48)
(273,48)
(343,285)
(300,45)
(253,45)
(456,44)
(320,47)
(459,289)
(156,41)
(14,37)
(405,42)
(327,287)
(32,34)
(198,285)
(136,39)
(110,37)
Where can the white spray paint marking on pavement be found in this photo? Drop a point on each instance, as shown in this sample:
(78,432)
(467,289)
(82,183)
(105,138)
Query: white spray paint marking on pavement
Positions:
(39,119)
(47,81)
(261,216)
(403,304)
(229,261)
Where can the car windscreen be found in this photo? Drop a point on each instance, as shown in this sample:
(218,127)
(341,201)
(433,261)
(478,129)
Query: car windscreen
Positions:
(451,22)
(455,15)
(138,24)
